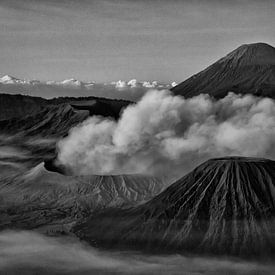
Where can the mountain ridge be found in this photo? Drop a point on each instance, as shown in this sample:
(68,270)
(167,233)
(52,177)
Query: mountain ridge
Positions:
(24,113)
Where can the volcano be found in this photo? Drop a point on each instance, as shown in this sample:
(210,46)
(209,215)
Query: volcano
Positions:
(249,69)
(225,206)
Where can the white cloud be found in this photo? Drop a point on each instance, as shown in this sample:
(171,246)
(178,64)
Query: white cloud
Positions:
(148,84)
(174,84)
(7,79)
(133,83)
(169,134)
(120,84)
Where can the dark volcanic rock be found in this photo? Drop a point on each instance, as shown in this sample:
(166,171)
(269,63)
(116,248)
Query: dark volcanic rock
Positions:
(51,121)
(34,116)
(224,206)
(12,106)
(250,69)
(95,105)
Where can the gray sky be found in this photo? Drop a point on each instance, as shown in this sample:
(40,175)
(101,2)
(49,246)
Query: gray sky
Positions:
(105,40)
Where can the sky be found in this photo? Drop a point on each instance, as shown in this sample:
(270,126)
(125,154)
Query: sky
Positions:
(107,40)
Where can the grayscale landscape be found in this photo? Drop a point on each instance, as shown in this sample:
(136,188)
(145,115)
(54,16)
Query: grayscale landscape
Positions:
(155,155)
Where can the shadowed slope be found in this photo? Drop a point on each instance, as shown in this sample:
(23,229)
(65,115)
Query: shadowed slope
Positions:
(51,121)
(12,106)
(224,206)
(250,69)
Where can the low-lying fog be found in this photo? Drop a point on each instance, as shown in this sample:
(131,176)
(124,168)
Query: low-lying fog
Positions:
(26,252)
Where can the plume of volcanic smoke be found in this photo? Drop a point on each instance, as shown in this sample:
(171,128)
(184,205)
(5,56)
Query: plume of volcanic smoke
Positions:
(165,134)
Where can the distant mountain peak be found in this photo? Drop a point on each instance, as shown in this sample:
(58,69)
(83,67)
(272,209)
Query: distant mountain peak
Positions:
(249,69)
(256,53)
(257,46)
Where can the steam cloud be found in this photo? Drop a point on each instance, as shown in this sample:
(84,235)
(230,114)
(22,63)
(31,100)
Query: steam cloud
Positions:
(26,252)
(166,134)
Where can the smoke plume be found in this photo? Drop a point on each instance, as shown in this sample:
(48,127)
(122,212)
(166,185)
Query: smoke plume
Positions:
(165,134)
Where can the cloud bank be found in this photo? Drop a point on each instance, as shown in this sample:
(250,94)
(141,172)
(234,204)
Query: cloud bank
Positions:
(26,252)
(165,134)
(131,90)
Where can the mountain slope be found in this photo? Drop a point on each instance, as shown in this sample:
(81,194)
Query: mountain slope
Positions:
(50,201)
(224,206)
(248,69)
